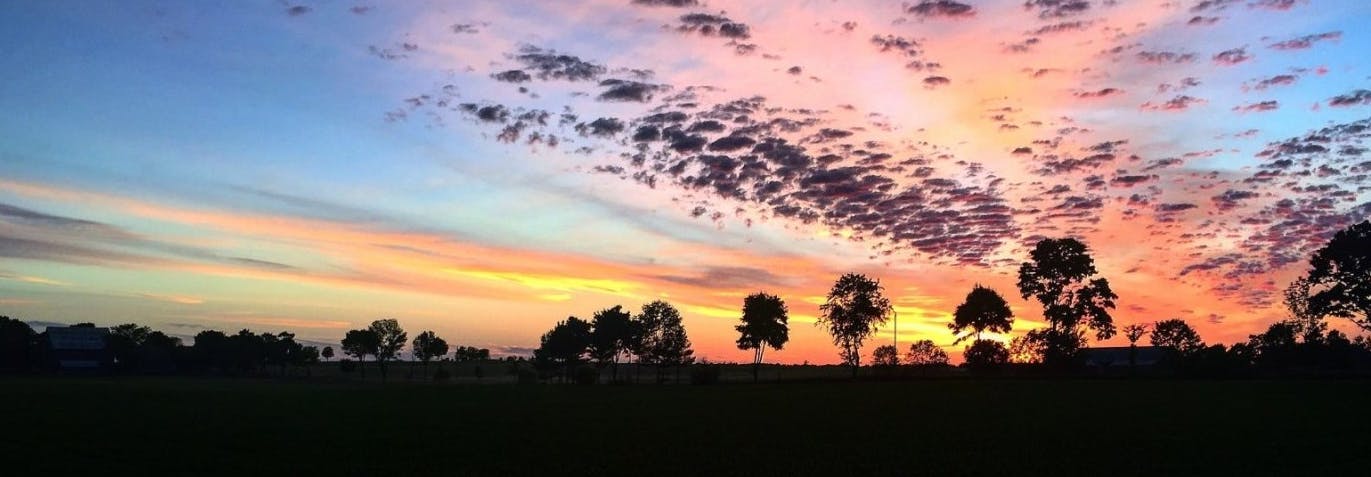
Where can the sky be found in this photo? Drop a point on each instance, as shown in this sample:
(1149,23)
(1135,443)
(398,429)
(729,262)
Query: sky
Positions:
(485,169)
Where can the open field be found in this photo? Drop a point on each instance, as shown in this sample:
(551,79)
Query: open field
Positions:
(935,427)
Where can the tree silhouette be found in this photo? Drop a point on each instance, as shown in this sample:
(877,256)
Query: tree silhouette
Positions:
(925,353)
(359,344)
(427,346)
(390,340)
(125,341)
(764,323)
(1062,277)
(985,355)
(664,337)
(610,336)
(1341,274)
(983,310)
(1028,348)
(1177,336)
(885,356)
(16,345)
(565,345)
(854,309)
(327,353)
(1133,333)
(1307,320)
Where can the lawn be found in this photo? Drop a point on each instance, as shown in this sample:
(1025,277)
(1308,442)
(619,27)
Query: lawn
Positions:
(934,427)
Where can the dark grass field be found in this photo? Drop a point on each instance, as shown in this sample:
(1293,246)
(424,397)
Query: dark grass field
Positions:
(938,427)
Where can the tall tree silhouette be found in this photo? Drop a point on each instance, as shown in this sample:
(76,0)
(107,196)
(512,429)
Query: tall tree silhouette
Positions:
(428,346)
(610,336)
(1177,336)
(1341,274)
(390,340)
(359,344)
(925,353)
(984,310)
(564,346)
(664,337)
(764,323)
(1307,320)
(1062,277)
(855,308)
(327,353)
(1133,333)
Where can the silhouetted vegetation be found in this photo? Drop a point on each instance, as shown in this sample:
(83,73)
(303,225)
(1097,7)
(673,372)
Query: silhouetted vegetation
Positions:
(983,310)
(1062,277)
(764,323)
(854,309)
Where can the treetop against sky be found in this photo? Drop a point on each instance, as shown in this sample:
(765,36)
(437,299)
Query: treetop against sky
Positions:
(485,169)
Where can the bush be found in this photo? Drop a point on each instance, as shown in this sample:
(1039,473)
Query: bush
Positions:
(986,355)
(586,375)
(347,366)
(705,374)
(441,374)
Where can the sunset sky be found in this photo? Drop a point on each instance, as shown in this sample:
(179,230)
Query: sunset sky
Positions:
(485,169)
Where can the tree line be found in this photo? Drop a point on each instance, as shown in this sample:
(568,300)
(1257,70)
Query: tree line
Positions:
(138,349)
(1060,275)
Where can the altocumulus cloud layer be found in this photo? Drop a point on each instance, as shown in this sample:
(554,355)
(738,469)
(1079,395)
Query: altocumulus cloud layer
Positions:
(1032,157)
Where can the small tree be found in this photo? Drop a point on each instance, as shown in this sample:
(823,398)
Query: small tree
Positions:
(564,346)
(1341,274)
(985,355)
(427,347)
(855,308)
(764,323)
(611,330)
(885,356)
(1134,332)
(359,344)
(1176,335)
(391,339)
(1307,320)
(983,310)
(1028,348)
(925,353)
(664,339)
(327,353)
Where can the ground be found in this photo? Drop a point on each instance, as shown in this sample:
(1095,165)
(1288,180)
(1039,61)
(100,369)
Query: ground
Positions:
(927,427)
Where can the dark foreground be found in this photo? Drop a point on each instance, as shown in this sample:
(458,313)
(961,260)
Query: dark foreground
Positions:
(958,427)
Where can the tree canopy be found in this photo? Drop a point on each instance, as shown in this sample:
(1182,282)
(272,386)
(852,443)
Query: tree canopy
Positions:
(1176,335)
(925,353)
(664,336)
(1062,277)
(1341,275)
(853,311)
(983,310)
(428,346)
(764,323)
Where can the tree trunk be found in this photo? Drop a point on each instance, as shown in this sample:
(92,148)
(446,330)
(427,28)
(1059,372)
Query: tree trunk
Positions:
(757,364)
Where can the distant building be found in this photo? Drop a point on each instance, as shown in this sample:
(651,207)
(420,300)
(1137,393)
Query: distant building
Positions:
(1115,356)
(80,349)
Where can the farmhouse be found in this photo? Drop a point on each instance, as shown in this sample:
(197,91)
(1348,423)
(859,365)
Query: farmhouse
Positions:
(1114,356)
(80,349)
